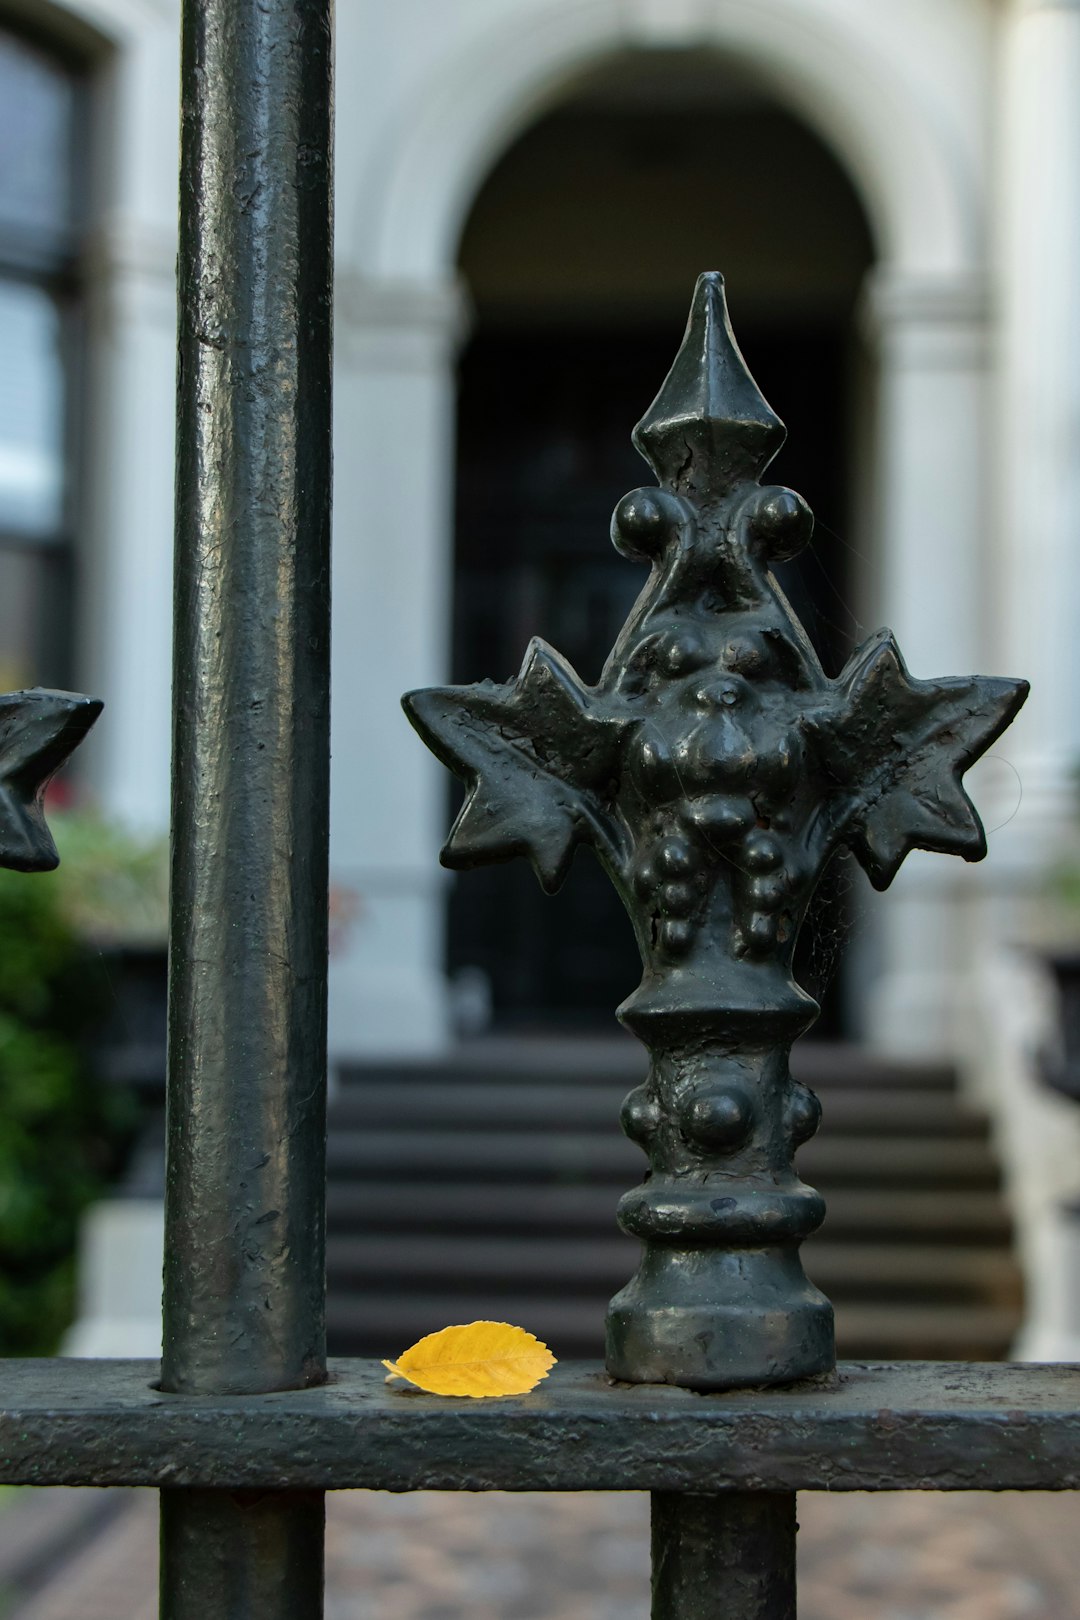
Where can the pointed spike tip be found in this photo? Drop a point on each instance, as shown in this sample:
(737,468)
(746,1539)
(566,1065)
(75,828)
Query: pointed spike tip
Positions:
(709,427)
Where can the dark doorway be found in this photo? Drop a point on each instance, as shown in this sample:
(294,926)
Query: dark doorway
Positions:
(544,453)
(580,252)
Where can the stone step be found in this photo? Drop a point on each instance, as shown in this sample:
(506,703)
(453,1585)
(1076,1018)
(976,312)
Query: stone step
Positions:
(428,1104)
(534,1155)
(486,1185)
(384,1324)
(494,1265)
(873,1332)
(620,1061)
(932,1217)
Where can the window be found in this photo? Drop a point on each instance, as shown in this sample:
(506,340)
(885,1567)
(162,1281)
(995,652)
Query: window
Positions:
(39,337)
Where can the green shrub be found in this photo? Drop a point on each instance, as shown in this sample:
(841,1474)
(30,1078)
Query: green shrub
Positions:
(61,1133)
(112,887)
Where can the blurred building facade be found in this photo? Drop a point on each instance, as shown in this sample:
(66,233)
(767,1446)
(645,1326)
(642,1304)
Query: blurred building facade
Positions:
(525,191)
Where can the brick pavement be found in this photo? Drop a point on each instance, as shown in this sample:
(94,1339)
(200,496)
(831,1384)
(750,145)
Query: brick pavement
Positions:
(435,1556)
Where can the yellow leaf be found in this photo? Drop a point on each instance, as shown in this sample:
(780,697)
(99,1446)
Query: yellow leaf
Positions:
(477,1359)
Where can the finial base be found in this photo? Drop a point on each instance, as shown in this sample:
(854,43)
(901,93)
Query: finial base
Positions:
(710,1319)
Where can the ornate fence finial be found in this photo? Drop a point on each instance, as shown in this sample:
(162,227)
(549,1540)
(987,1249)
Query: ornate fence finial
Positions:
(715,769)
(38,730)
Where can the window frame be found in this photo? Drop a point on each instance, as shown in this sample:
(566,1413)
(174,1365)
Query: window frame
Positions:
(51,260)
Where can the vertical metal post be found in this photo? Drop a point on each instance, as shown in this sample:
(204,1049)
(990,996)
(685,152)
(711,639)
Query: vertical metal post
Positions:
(244,1268)
(725,1557)
(241,1554)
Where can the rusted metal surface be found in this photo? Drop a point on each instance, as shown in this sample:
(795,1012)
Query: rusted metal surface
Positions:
(898,1426)
(715,769)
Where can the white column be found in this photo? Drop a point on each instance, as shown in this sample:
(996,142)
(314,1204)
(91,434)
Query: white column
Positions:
(126,567)
(931,589)
(1039,419)
(1038,484)
(393,536)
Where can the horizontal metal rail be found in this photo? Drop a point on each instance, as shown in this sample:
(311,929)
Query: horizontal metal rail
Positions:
(895,1426)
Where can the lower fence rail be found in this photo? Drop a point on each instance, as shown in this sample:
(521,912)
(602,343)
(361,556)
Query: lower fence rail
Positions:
(874,1427)
(242,1476)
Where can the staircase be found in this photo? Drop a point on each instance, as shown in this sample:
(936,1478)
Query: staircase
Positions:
(485,1185)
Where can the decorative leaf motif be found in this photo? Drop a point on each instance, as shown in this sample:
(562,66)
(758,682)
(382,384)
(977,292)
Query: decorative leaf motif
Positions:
(901,747)
(477,1359)
(536,754)
(38,730)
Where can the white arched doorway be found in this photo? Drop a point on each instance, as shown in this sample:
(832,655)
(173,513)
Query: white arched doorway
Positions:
(579,253)
(401,313)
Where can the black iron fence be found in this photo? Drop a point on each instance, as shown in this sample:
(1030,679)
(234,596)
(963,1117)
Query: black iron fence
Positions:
(714,768)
